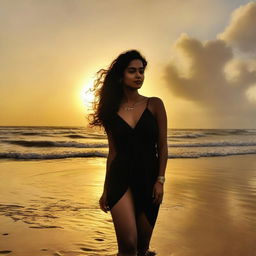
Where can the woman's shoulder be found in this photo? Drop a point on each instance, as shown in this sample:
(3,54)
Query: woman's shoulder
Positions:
(156,105)
(155,101)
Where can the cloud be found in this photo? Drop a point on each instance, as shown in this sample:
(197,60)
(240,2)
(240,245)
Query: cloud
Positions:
(240,32)
(211,74)
(251,93)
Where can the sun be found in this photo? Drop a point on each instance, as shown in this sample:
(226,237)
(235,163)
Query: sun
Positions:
(87,96)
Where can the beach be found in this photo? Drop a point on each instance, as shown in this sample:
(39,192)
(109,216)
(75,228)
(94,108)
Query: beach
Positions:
(50,207)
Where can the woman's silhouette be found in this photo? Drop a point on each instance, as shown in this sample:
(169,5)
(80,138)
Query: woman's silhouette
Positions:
(136,127)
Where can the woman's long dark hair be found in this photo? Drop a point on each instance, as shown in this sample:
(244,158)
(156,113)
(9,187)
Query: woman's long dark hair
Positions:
(108,89)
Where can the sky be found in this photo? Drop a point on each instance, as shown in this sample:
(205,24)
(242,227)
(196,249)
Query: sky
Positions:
(200,53)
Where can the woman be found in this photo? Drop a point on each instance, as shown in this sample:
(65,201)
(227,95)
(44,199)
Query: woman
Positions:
(136,128)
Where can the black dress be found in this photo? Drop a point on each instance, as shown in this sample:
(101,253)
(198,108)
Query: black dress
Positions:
(135,164)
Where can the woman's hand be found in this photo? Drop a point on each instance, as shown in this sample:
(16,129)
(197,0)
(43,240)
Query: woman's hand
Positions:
(103,202)
(158,192)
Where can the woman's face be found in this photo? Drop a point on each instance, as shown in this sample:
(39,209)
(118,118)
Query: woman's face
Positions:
(134,74)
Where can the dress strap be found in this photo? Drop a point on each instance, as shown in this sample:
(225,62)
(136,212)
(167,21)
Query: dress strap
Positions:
(147,101)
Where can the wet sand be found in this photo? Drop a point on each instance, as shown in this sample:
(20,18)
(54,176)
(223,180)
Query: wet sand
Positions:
(51,207)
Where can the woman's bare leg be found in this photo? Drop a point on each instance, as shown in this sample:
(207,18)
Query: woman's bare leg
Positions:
(123,215)
(145,231)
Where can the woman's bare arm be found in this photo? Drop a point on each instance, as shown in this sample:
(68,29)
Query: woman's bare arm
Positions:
(162,146)
(110,157)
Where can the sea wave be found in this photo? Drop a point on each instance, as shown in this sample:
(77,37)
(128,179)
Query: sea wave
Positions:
(74,144)
(47,143)
(196,135)
(32,156)
(214,144)
(40,156)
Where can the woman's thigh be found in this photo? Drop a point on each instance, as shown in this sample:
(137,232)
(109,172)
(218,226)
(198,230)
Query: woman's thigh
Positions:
(144,230)
(123,215)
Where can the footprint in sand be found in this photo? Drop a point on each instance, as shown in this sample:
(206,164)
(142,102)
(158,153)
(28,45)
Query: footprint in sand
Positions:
(86,249)
(57,254)
(99,239)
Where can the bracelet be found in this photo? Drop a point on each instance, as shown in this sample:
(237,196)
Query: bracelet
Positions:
(161,179)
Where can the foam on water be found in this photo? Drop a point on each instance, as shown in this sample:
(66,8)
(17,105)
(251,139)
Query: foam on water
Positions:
(71,142)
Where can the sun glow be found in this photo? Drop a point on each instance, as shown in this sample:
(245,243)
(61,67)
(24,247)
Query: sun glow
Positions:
(87,95)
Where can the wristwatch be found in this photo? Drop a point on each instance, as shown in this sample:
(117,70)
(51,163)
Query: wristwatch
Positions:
(161,179)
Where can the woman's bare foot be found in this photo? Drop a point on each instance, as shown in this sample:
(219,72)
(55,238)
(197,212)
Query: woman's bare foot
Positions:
(147,253)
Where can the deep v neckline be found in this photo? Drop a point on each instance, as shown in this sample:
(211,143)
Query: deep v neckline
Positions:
(133,128)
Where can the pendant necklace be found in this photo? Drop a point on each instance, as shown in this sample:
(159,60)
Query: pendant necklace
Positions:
(128,108)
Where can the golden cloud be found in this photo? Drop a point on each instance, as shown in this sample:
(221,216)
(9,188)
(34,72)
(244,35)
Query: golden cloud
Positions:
(210,73)
(241,32)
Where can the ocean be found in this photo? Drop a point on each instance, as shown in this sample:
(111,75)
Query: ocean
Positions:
(42,142)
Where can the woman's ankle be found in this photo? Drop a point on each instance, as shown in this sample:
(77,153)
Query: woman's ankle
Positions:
(146,253)
(141,252)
